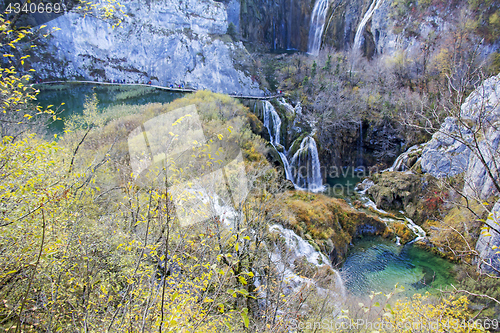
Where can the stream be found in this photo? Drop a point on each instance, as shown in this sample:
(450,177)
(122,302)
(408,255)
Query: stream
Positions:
(372,264)
(377,264)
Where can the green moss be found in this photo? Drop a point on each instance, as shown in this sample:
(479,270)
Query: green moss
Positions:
(331,223)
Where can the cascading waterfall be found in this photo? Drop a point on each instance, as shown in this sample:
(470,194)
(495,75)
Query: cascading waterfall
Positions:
(400,162)
(304,170)
(297,247)
(289,28)
(272,122)
(368,203)
(318,18)
(368,15)
(306,166)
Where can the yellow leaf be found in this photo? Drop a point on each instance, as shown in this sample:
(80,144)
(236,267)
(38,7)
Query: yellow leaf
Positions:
(103,288)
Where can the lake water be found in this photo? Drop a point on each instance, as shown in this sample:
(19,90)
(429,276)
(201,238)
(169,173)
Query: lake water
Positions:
(341,187)
(376,264)
(75,94)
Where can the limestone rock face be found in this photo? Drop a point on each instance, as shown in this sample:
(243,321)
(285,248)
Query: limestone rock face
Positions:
(447,154)
(395,190)
(167,42)
(490,259)
(379,35)
(444,155)
(279,25)
(455,150)
(478,182)
(483,103)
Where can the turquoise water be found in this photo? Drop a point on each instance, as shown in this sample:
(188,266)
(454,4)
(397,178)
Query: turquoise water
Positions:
(375,264)
(341,187)
(74,96)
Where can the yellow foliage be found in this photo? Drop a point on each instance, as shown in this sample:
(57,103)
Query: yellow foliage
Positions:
(421,314)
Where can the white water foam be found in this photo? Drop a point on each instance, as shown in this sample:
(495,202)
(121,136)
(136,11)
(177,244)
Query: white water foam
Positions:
(368,15)
(317,25)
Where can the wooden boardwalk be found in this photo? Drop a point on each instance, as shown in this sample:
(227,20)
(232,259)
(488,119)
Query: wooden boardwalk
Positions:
(184,90)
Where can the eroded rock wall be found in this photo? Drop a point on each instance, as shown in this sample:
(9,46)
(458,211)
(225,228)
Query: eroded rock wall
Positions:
(167,42)
(279,25)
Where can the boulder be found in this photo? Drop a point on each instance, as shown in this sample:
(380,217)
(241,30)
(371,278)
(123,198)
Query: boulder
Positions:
(395,190)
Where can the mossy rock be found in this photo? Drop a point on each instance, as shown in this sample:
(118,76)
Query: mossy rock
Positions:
(327,222)
(395,190)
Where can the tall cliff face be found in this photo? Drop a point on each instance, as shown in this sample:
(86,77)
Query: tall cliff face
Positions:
(376,34)
(381,28)
(167,42)
(467,148)
(280,25)
(285,24)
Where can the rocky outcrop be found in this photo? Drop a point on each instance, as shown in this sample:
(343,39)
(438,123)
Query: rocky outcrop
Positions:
(329,224)
(413,193)
(471,150)
(165,42)
(395,190)
(488,242)
(478,181)
(466,147)
(445,155)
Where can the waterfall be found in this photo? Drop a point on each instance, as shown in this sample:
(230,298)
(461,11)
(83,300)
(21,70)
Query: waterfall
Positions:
(274,128)
(274,34)
(297,247)
(360,145)
(368,15)
(304,170)
(316,27)
(400,162)
(417,230)
(272,122)
(368,203)
(306,166)
(289,28)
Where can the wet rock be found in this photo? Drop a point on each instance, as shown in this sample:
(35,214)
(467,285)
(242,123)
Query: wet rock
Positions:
(279,25)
